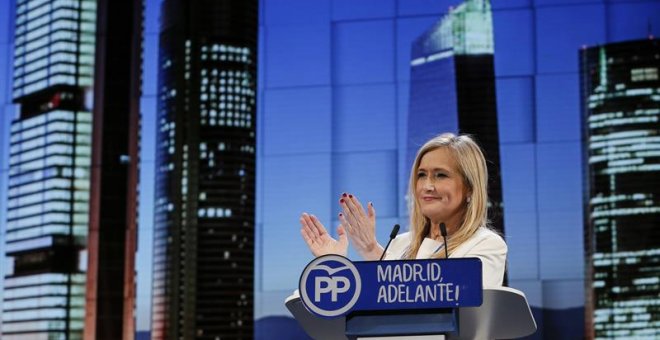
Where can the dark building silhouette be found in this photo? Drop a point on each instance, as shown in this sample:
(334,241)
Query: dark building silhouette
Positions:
(205,171)
(112,239)
(452,89)
(620,115)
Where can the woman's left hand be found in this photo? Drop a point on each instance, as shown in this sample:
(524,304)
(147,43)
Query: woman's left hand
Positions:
(360,226)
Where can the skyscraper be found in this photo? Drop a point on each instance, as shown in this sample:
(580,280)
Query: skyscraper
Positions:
(50,155)
(452,89)
(621,126)
(112,240)
(205,162)
(71,221)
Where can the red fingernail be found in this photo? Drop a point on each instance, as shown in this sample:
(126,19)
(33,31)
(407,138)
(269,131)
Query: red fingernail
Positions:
(344,194)
(350,196)
(340,214)
(341,200)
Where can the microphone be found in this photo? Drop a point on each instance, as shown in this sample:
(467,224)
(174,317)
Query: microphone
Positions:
(395,231)
(443,232)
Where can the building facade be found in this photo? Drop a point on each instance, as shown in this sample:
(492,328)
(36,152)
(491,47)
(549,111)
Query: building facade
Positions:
(205,171)
(49,170)
(71,213)
(620,115)
(452,89)
(112,238)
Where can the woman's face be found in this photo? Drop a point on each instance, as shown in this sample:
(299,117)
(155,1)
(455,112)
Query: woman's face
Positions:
(440,191)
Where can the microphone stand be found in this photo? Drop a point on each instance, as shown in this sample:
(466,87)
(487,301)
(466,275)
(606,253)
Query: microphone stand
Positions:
(443,232)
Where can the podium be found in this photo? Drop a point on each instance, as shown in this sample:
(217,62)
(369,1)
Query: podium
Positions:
(504,314)
(411,299)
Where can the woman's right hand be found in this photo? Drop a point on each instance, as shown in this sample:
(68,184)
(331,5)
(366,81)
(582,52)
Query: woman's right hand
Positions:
(361,226)
(318,240)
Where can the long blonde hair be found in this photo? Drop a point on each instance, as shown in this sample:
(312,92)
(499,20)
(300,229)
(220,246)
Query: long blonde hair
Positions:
(473,170)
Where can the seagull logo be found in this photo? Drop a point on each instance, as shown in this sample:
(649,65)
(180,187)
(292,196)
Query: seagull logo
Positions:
(330,286)
(331,271)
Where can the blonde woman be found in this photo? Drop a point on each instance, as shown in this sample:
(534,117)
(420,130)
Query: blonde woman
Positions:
(448,184)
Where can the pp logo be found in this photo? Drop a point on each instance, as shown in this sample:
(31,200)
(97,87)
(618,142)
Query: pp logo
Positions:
(330,285)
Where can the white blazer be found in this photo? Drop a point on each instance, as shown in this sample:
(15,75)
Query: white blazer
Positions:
(485,244)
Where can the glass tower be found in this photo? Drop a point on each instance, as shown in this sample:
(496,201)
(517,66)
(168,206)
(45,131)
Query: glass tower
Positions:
(452,89)
(205,162)
(50,147)
(621,126)
(112,239)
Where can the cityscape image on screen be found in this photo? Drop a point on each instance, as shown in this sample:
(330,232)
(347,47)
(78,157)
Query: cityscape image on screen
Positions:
(156,155)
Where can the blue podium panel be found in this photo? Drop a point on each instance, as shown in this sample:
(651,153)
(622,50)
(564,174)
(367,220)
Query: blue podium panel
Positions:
(333,286)
(400,324)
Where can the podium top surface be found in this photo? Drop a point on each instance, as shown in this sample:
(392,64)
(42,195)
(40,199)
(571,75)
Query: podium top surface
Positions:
(504,314)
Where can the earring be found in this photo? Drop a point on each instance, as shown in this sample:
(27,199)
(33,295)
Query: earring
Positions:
(469,199)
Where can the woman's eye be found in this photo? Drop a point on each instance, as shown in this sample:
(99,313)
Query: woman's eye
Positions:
(440,175)
(421,174)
